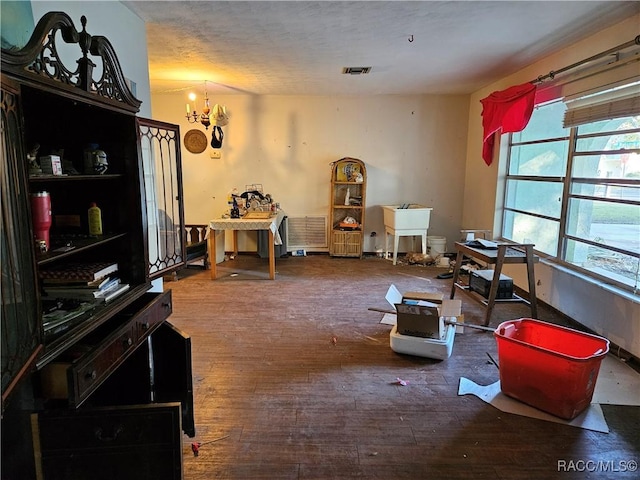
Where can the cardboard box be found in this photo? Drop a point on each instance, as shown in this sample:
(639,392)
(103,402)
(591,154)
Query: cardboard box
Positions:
(418,317)
(51,165)
(419,321)
(480,282)
(452,310)
(426,296)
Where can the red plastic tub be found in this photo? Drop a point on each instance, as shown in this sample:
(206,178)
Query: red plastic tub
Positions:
(549,367)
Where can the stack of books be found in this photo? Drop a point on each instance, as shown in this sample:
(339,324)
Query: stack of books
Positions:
(64,315)
(88,282)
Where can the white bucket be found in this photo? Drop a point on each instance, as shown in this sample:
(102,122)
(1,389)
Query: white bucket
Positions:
(437,246)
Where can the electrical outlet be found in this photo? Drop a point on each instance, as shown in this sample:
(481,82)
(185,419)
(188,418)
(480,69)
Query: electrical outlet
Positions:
(216,154)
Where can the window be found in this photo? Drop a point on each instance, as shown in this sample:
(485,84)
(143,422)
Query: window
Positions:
(575,193)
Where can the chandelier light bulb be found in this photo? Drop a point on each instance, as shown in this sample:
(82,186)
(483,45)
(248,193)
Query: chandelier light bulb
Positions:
(203,118)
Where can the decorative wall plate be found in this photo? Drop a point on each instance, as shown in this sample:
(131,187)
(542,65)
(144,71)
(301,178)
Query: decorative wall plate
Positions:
(195,141)
(346,171)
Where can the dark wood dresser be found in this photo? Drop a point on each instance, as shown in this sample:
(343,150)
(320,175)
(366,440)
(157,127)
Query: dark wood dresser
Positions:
(91,389)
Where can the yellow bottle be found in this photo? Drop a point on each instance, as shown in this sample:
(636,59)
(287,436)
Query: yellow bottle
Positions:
(95,220)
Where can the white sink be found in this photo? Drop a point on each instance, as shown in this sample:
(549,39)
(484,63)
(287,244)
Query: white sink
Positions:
(413,218)
(408,222)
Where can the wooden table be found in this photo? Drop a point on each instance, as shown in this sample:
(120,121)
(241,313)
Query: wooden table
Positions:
(271,224)
(505,253)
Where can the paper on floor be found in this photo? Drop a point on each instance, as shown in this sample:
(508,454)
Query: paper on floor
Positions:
(591,419)
(617,384)
(389,319)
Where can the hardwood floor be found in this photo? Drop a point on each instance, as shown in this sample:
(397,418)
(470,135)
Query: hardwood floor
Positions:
(300,375)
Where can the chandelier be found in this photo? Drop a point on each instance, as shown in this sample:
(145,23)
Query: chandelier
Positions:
(203,118)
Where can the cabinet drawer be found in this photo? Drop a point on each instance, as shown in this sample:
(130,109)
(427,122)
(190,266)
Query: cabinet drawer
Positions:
(153,315)
(92,369)
(87,375)
(90,363)
(134,442)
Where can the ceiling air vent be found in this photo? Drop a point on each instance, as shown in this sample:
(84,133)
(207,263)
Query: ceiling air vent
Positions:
(356,70)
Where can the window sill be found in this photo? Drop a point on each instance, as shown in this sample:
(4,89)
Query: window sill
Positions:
(611,288)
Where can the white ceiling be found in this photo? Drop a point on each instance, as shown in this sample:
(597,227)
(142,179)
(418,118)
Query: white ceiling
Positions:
(300,47)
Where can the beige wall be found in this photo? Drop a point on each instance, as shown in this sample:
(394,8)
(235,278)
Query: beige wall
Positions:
(413,147)
(597,306)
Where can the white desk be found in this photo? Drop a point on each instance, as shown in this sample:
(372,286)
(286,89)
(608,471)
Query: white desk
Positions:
(271,224)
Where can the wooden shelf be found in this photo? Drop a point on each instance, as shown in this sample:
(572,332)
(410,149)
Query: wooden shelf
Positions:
(485,301)
(80,244)
(347,242)
(74,178)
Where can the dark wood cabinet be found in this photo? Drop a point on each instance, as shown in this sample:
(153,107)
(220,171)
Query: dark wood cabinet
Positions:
(131,443)
(78,389)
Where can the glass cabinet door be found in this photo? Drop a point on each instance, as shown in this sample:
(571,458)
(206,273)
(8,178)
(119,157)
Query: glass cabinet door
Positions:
(162,169)
(20,307)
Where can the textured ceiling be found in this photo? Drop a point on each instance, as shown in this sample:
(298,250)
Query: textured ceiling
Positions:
(300,48)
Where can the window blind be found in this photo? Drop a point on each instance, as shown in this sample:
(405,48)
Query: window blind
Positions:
(616,103)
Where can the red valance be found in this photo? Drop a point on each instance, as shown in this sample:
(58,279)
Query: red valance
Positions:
(505,111)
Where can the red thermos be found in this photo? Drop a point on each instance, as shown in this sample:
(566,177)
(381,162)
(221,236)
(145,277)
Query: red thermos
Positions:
(41,214)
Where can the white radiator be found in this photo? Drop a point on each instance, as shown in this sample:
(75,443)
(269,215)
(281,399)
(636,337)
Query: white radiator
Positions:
(307,231)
